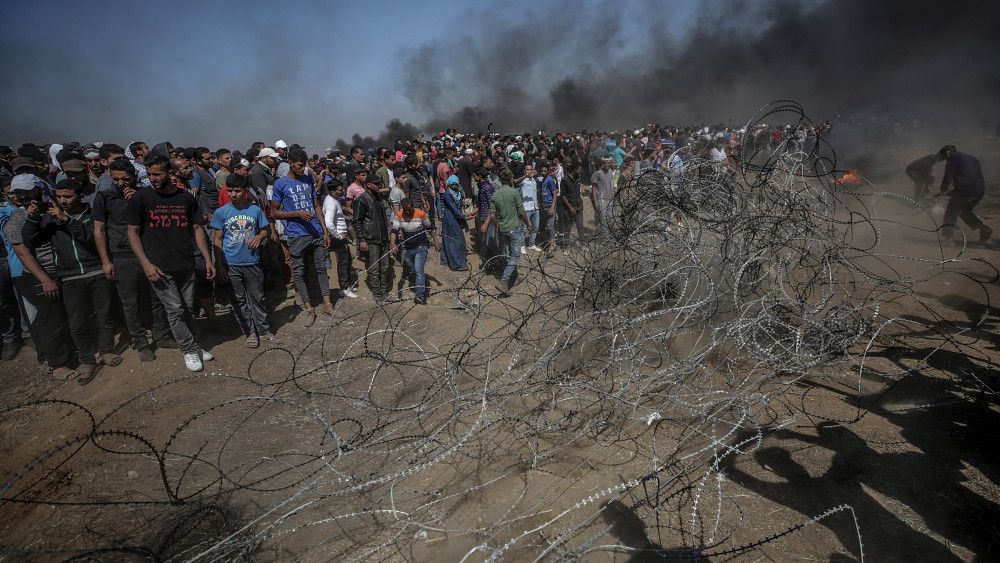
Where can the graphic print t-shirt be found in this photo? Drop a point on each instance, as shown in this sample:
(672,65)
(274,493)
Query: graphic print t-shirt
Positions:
(166,227)
(297,195)
(238,226)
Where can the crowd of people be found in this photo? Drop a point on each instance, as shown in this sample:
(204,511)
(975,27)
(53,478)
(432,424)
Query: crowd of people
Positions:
(102,238)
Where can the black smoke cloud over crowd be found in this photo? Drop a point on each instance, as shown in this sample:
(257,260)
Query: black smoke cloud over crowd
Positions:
(565,67)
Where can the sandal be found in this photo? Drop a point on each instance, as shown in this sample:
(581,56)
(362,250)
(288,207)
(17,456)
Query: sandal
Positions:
(252,341)
(111,359)
(87,373)
(65,374)
(271,339)
(310,317)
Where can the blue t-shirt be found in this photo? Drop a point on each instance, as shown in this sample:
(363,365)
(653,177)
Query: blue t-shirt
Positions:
(549,191)
(238,226)
(297,195)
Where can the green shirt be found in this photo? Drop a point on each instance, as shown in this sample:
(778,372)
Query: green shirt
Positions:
(507,207)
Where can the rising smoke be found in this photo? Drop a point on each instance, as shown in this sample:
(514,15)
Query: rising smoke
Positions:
(569,68)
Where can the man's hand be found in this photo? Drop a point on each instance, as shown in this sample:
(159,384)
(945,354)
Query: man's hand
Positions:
(363,246)
(483,227)
(254,242)
(304,215)
(58,213)
(209,270)
(33,211)
(326,240)
(127,192)
(437,245)
(51,289)
(394,249)
(109,270)
(221,273)
(153,273)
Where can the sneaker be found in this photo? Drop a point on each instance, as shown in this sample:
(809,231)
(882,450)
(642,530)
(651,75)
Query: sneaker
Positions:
(535,248)
(503,287)
(985,233)
(222,308)
(351,294)
(420,300)
(205,355)
(168,343)
(145,354)
(193,362)
(524,250)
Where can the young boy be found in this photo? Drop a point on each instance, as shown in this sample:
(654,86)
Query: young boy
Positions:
(87,294)
(336,224)
(164,224)
(294,200)
(240,228)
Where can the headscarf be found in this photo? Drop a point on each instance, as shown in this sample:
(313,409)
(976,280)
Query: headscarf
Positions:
(457,194)
(128,152)
(53,151)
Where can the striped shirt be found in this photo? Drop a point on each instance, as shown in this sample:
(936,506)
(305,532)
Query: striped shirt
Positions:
(413,230)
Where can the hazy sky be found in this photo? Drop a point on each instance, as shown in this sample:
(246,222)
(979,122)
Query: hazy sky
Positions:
(221,73)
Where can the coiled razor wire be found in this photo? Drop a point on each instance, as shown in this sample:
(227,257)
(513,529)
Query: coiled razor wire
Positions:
(619,378)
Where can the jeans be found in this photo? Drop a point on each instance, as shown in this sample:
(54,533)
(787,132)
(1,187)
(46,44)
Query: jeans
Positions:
(511,244)
(533,219)
(248,289)
(342,249)
(89,308)
(135,294)
(378,269)
(308,248)
(414,260)
(550,225)
(176,292)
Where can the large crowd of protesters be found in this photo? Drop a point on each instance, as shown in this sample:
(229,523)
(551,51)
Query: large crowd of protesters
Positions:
(104,238)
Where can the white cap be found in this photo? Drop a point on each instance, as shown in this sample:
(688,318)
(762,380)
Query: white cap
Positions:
(279,144)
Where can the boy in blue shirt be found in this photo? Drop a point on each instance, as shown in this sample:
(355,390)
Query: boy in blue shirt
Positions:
(240,228)
(294,200)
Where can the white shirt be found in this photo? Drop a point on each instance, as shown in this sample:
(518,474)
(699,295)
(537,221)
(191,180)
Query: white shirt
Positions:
(333,214)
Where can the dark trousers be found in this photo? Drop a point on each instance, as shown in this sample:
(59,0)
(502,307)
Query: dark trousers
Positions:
(378,269)
(248,289)
(921,183)
(342,250)
(90,311)
(960,206)
(10,313)
(137,296)
(176,292)
(308,248)
(47,324)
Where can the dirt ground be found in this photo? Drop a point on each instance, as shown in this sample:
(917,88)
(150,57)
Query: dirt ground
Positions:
(364,437)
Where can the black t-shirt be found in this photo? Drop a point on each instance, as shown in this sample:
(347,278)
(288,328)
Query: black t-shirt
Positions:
(111,208)
(166,225)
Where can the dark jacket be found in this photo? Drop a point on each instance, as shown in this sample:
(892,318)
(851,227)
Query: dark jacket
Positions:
(966,173)
(72,241)
(369,219)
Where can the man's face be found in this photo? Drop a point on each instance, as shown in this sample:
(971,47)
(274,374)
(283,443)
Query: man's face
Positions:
(69,200)
(225,160)
(401,179)
(605,166)
(544,170)
(297,167)
(269,161)
(488,164)
(97,164)
(144,150)
(208,159)
(159,176)
(183,171)
(408,209)
(237,193)
(358,156)
(282,152)
(122,180)
(361,176)
(412,167)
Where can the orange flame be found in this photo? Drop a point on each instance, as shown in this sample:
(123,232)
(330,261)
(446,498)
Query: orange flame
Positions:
(853,176)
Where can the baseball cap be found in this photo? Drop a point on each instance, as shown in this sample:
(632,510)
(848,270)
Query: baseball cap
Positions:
(279,144)
(74,165)
(267,151)
(22,162)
